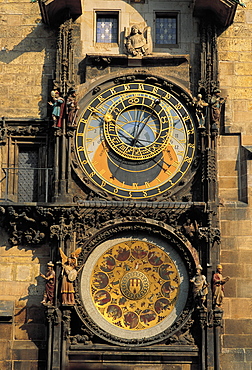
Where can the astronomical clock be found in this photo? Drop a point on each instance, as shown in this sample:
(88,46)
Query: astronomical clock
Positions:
(136,138)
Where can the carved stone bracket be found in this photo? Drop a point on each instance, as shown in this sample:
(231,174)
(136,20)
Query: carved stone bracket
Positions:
(210,234)
(202,317)
(217,317)
(183,336)
(85,338)
(62,230)
(66,317)
(52,315)
(30,130)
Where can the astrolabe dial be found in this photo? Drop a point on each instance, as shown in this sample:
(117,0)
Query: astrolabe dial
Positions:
(134,285)
(139,127)
(135,140)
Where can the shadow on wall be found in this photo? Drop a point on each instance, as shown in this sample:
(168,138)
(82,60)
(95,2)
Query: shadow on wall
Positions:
(29,314)
(39,39)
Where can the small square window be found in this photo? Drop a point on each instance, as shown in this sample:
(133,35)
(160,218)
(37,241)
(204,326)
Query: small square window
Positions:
(106,27)
(166,30)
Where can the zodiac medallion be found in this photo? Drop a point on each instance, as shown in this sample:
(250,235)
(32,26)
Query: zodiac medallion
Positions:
(134,285)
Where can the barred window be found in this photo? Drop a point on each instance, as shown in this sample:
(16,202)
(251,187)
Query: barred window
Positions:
(106,27)
(166,31)
(27,175)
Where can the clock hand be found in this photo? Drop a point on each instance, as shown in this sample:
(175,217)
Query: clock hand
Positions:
(108,117)
(156,102)
(138,119)
(126,132)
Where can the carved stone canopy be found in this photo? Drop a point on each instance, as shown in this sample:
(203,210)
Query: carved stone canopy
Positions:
(56,12)
(223,11)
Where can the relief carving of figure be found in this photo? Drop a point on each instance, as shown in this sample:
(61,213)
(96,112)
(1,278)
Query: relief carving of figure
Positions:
(191,229)
(218,287)
(69,274)
(50,284)
(200,287)
(138,43)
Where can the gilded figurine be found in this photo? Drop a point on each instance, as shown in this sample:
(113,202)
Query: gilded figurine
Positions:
(50,284)
(218,287)
(200,287)
(69,274)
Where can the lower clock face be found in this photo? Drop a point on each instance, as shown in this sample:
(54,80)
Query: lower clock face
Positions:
(135,140)
(134,288)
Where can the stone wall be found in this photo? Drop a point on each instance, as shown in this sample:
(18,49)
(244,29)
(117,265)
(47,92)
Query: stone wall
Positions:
(27,53)
(22,336)
(235,190)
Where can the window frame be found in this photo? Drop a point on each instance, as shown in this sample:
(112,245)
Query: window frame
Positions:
(168,14)
(112,13)
(18,143)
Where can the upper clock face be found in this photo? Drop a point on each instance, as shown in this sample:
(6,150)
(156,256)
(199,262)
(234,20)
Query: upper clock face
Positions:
(135,140)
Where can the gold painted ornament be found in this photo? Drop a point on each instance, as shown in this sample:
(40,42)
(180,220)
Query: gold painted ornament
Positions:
(135,285)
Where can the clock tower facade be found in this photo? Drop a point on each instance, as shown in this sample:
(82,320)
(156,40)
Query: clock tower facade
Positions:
(121,184)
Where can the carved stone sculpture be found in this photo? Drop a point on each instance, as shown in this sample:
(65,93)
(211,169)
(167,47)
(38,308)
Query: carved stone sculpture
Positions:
(190,229)
(71,108)
(216,103)
(200,287)
(137,43)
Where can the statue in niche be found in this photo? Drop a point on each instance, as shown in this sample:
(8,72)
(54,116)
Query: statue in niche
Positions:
(218,287)
(138,43)
(200,109)
(216,104)
(71,108)
(69,274)
(191,229)
(200,287)
(50,284)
